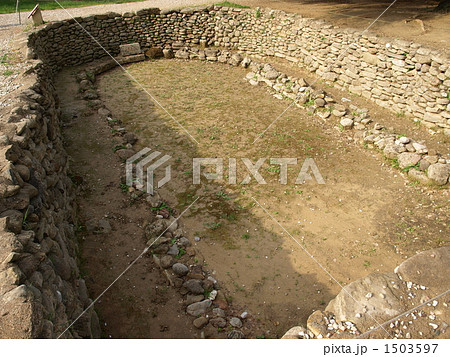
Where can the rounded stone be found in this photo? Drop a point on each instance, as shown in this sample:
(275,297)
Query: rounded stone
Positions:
(236,322)
(180,269)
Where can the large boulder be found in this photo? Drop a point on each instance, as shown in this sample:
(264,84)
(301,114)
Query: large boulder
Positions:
(375,295)
(430,268)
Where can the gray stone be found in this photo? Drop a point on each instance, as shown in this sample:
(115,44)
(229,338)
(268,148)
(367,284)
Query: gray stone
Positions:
(338,113)
(218,312)
(420,176)
(439,173)
(235,59)
(430,268)
(319,102)
(194,286)
(130,49)
(404,140)
(14,220)
(166,261)
(194,298)
(184,242)
(218,322)
(180,269)
(347,123)
(371,296)
(198,308)
(296,332)
(236,322)
(391,151)
(173,250)
(200,322)
(271,75)
(408,159)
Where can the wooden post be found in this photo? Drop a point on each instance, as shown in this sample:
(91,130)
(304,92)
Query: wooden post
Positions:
(36,14)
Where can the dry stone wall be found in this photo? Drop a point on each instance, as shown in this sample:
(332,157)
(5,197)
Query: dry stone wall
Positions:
(41,291)
(402,76)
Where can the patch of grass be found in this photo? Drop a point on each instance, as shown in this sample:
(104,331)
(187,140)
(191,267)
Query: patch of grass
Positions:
(246,236)
(8,72)
(9,6)
(222,195)
(181,252)
(213,225)
(258,14)
(118,147)
(232,4)
(409,167)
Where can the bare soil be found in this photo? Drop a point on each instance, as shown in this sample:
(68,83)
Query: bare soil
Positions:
(366,218)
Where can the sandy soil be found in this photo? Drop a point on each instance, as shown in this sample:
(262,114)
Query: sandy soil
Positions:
(366,218)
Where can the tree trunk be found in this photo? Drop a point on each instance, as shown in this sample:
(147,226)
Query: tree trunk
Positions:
(443,6)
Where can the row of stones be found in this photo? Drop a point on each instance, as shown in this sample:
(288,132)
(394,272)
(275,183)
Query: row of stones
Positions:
(422,164)
(40,286)
(172,252)
(400,75)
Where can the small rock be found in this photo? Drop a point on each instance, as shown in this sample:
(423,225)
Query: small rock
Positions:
(194,298)
(338,113)
(194,286)
(173,250)
(244,315)
(184,242)
(236,334)
(347,123)
(218,312)
(166,261)
(197,239)
(294,333)
(406,159)
(421,149)
(218,322)
(154,52)
(180,269)
(130,138)
(198,308)
(404,140)
(439,173)
(236,322)
(319,102)
(200,322)
(168,54)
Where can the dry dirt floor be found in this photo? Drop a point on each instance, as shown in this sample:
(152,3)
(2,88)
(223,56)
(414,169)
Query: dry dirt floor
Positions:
(366,218)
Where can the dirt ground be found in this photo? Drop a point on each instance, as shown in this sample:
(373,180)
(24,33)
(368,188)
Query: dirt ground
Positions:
(411,20)
(140,305)
(366,218)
